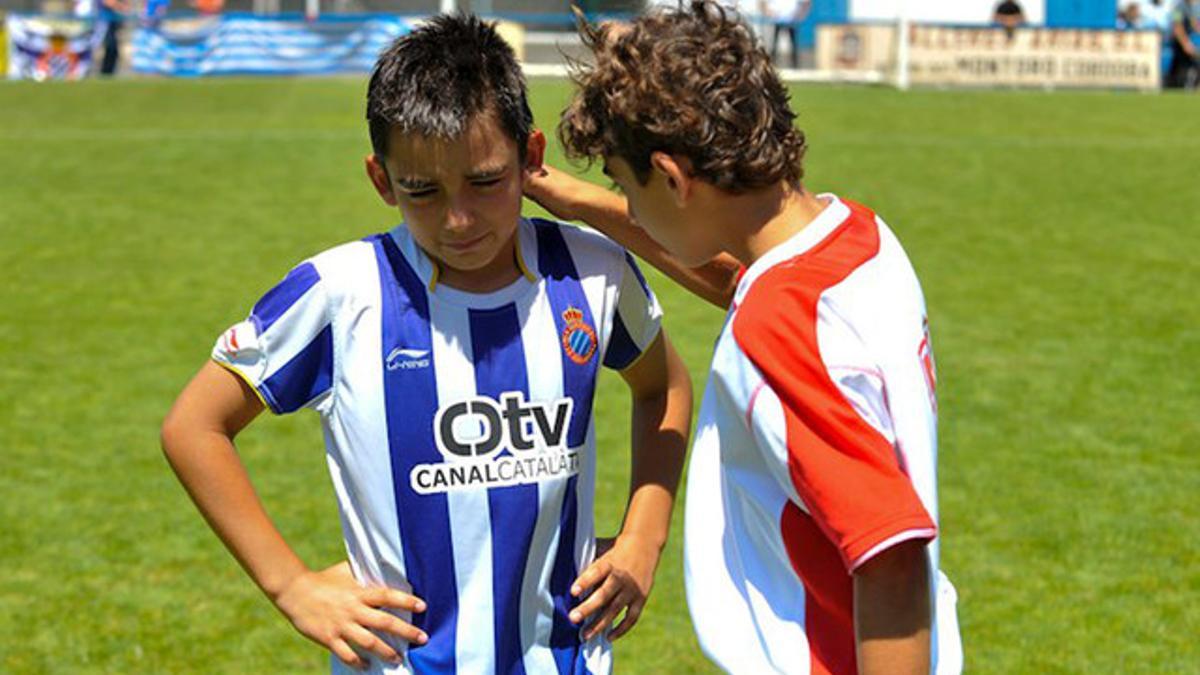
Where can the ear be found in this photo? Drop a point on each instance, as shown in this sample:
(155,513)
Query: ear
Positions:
(535,151)
(677,171)
(378,174)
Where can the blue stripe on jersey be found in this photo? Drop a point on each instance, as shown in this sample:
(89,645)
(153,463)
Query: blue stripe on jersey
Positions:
(308,375)
(622,350)
(271,306)
(638,273)
(564,290)
(500,368)
(411,394)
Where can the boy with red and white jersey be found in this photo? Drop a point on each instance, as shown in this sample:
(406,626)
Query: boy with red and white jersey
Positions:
(812,511)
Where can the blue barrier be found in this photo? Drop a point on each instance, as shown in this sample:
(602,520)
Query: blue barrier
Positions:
(246,44)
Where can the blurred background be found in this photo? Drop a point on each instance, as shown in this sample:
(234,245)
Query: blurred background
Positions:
(1142,44)
(162,166)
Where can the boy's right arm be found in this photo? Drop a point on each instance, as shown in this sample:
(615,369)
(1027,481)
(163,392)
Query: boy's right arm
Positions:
(570,198)
(327,606)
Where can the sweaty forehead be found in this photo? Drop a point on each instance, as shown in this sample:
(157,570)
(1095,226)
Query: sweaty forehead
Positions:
(483,146)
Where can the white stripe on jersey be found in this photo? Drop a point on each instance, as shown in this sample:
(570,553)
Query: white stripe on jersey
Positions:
(470,514)
(362,479)
(545,384)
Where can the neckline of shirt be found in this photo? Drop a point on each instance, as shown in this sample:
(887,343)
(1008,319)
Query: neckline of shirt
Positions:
(427,270)
(833,215)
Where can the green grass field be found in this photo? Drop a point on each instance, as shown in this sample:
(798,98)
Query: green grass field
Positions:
(1055,234)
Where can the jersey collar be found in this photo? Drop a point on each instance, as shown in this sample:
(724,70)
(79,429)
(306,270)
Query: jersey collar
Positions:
(834,214)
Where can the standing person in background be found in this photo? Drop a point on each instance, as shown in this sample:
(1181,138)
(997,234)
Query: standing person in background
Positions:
(1184,72)
(1130,17)
(1009,16)
(1154,15)
(112,16)
(786,16)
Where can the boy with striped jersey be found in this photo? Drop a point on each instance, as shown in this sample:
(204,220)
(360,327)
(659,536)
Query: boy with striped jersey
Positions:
(812,509)
(453,362)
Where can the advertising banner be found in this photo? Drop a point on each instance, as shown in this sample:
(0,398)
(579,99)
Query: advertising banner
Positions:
(49,48)
(1035,57)
(245,44)
(1029,57)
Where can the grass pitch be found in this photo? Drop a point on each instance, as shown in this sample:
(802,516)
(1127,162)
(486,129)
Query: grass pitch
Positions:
(1055,236)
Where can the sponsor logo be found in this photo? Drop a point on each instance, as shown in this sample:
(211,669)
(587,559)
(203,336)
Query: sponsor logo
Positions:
(407,359)
(239,344)
(578,338)
(488,443)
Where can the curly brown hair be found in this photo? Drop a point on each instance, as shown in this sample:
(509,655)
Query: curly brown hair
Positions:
(691,81)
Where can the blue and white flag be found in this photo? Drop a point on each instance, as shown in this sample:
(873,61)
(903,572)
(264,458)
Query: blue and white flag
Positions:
(49,49)
(238,44)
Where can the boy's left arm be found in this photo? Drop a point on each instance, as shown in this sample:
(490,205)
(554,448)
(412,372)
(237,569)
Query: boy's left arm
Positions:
(892,612)
(620,579)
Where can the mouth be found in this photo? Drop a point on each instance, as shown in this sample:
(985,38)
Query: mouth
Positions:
(461,246)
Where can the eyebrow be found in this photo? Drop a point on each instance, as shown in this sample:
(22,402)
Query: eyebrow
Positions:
(414,183)
(486,172)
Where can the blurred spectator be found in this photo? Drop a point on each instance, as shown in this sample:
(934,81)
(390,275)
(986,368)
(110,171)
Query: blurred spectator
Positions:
(1130,17)
(112,17)
(1009,16)
(786,16)
(1154,15)
(207,7)
(154,12)
(1185,68)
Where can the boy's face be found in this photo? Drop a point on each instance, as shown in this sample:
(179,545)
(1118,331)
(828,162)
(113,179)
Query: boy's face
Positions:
(656,208)
(461,198)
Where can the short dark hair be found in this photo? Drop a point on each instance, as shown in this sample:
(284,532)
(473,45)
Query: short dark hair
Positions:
(436,79)
(691,81)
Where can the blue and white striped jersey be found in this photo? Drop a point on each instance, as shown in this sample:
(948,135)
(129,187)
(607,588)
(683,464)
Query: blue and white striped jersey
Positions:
(458,429)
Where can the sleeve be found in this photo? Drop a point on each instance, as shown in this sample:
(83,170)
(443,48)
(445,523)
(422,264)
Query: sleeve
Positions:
(636,321)
(832,432)
(284,349)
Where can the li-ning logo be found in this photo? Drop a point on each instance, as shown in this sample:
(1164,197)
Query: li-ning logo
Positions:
(578,338)
(408,359)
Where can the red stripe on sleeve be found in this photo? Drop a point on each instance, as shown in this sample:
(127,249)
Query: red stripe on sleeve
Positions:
(846,473)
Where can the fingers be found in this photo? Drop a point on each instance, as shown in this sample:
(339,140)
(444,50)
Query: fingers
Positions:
(367,641)
(608,614)
(387,623)
(346,655)
(380,596)
(632,614)
(594,574)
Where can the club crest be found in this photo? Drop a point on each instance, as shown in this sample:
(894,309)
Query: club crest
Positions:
(578,338)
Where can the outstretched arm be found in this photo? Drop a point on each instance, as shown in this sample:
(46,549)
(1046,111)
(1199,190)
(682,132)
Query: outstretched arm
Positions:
(327,606)
(571,198)
(621,578)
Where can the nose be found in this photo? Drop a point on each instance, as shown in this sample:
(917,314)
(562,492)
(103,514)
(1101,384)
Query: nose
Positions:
(459,218)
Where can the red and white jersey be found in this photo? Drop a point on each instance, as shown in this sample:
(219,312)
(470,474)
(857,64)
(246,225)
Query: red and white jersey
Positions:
(816,449)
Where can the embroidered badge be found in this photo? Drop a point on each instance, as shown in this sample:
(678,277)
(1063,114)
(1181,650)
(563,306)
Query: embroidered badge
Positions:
(578,338)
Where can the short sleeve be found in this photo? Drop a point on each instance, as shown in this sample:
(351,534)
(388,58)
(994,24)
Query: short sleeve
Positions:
(636,321)
(832,431)
(284,349)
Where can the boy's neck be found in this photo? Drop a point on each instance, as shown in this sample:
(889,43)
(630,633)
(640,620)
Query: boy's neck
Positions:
(758,221)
